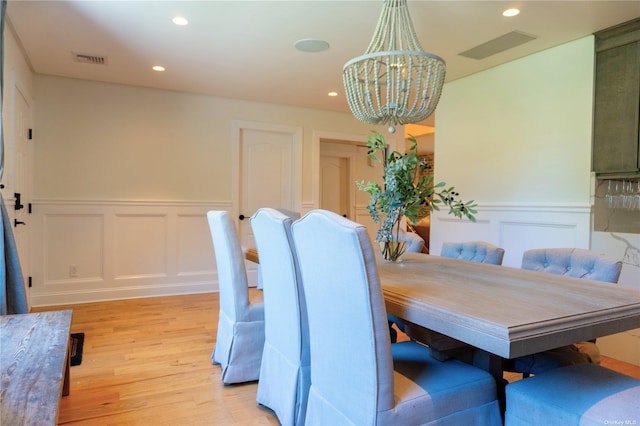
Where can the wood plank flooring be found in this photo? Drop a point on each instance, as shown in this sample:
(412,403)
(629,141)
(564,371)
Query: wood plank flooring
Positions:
(147,362)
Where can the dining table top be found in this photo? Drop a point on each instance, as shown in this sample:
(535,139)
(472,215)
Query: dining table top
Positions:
(506,311)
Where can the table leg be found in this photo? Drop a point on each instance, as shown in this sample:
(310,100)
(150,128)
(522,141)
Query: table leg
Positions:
(66,384)
(494,364)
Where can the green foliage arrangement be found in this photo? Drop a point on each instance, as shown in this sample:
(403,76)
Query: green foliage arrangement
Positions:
(407,191)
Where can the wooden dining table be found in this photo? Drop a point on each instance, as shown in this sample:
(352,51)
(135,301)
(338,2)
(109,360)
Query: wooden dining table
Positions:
(508,312)
(503,312)
(500,312)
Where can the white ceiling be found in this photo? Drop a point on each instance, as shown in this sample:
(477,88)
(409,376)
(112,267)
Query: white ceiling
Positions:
(244,49)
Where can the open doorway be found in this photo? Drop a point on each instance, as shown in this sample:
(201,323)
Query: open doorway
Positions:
(425,136)
(338,168)
(343,160)
(342,163)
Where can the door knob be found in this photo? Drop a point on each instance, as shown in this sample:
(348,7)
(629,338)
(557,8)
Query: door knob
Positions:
(241,217)
(17,222)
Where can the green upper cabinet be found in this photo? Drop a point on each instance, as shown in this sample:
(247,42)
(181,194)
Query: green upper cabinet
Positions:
(616,141)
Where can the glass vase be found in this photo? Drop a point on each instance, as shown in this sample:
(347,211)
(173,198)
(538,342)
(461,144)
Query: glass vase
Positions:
(392,251)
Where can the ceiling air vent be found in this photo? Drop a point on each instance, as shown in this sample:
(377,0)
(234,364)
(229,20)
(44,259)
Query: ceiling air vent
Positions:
(497,45)
(86,58)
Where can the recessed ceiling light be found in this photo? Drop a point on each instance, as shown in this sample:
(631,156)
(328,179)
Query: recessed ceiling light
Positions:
(311,45)
(511,12)
(179,20)
(332,94)
(158,68)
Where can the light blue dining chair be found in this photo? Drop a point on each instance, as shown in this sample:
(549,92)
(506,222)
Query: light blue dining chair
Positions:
(414,242)
(240,335)
(582,394)
(572,262)
(285,373)
(443,347)
(474,251)
(357,376)
(289,213)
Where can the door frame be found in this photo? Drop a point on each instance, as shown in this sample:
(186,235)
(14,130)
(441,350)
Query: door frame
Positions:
(14,171)
(350,176)
(316,140)
(238,126)
(318,137)
(236,139)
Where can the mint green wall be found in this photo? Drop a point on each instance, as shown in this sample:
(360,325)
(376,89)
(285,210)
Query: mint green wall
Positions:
(521,132)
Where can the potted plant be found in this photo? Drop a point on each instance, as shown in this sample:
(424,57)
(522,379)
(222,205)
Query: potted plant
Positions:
(406,192)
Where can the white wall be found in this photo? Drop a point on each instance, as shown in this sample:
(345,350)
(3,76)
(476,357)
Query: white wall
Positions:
(521,131)
(106,141)
(124,177)
(517,139)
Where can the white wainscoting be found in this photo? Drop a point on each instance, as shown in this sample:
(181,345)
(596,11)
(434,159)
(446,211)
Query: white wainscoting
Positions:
(95,250)
(516,228)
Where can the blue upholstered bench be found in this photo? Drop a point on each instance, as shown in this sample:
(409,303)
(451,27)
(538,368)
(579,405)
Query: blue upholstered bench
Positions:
(583,394)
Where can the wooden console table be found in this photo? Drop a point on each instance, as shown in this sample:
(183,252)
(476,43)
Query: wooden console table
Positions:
(34,366)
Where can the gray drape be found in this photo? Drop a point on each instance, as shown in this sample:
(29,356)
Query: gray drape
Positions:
(3,8)
(13,298)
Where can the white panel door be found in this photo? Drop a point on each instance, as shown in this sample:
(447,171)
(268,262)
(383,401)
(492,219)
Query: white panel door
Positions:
(267,174)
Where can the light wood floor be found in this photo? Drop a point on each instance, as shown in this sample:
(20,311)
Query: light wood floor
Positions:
(147,362)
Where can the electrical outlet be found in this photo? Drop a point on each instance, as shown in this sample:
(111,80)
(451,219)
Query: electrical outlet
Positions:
(73,271)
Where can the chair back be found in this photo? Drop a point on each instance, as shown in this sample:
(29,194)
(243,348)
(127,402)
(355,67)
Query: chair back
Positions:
(474,251)
(351,362)
(414,242)
(232,275)
(290,213)
(284,376)
(573,262)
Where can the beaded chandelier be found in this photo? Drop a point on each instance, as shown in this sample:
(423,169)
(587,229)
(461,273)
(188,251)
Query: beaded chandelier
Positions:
(395,82)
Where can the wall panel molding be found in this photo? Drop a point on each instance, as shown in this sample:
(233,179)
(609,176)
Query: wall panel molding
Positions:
(97,250)
(516,228)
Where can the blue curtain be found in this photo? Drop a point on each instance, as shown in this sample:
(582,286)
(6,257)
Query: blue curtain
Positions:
(13,297)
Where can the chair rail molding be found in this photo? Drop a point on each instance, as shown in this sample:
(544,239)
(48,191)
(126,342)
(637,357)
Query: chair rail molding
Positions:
(98,250)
